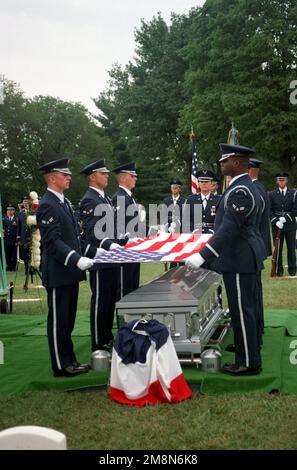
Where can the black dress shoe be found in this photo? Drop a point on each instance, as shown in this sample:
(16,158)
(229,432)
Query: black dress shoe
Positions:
(103,347)
(70,371)
(230,348)
(236,370)
(84,366)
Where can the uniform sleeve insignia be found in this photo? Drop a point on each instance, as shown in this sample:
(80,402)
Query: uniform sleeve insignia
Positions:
(88,211)
(240,200)
(47,222)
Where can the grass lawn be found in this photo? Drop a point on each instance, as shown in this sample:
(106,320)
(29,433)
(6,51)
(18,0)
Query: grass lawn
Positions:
(91,421)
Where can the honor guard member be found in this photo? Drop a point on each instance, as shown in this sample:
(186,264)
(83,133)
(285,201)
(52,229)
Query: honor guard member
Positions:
(128,222)
(215,185)
(206,200)
(283,213)
(10,227)
(264,220)
(235,251)
(63,266)
(171,212)
(24,233)
(98,225)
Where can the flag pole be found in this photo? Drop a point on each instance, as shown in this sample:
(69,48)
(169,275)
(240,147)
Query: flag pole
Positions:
(233,140)
(194,164)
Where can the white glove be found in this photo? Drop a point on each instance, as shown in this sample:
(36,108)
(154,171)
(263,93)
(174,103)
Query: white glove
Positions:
(124,235)
(195,261)
(100,251)
(153,231)
(283,220)
(84,263)
(279,224)
(172,227)
(163,228)
(134,240)
(114,246)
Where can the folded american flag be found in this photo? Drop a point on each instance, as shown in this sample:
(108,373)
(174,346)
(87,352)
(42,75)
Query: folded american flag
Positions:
(163,247)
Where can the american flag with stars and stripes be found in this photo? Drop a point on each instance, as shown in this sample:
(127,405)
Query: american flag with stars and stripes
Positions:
(163,247)
(194,169)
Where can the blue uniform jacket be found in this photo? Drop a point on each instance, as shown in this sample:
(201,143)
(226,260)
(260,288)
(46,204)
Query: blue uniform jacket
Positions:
(97,215)
(264,220)
(127,215)
(236,245)
(23,231)
(208,214)
(10,228)
(174,214)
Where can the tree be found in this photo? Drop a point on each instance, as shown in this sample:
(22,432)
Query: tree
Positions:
(35,131)
(140,109)
(241,59)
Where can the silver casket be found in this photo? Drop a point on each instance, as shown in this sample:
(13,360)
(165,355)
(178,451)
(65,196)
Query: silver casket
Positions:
(187,301)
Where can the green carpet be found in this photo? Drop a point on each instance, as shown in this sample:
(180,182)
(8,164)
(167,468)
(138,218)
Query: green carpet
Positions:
(27,365)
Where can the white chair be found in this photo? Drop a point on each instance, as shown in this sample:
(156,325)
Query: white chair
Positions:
(32,438)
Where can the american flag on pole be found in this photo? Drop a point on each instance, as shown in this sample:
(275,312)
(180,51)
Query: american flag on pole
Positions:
(163,247)
(194,169)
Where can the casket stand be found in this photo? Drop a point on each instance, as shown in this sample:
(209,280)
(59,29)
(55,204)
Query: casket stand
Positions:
(188,302)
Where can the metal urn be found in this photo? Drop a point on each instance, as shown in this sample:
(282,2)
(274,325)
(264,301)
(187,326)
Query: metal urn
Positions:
(211,360)
(100,360)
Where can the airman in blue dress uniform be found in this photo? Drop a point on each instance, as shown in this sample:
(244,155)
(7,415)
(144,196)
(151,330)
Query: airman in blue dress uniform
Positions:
(264,226)
(10,227)
(236,251)
(172,211)
(171,217)
(24,233)
(283,213)
(208,202)
(97,215)
(63,266)
(128,222)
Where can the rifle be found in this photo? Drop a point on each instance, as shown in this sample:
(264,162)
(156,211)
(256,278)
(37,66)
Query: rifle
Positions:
(275,253)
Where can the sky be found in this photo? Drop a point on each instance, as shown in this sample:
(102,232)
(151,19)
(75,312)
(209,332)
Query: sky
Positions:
(64,48)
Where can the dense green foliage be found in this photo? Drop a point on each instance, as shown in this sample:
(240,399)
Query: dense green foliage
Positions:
(38,130)
(230,60)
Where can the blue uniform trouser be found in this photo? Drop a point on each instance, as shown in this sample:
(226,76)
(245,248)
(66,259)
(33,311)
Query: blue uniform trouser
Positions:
(104,284)
(129,278)
(11,257)
(290,237)
(240,289)
(62,305)
(259,306)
